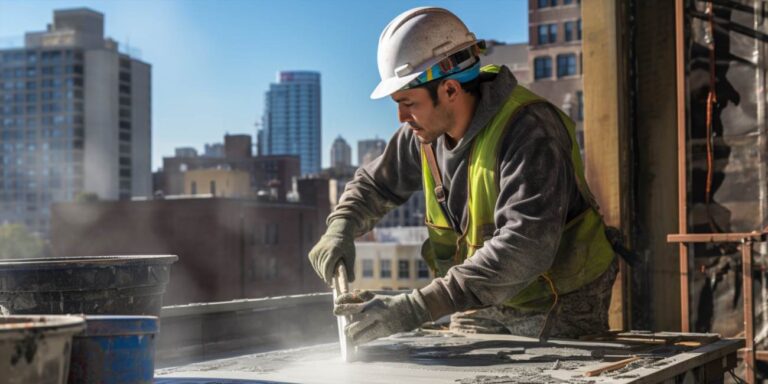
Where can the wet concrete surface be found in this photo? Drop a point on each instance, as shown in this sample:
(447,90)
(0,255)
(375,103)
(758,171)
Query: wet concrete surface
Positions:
(420,357)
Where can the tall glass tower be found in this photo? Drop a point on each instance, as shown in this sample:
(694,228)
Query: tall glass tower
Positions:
(291,121)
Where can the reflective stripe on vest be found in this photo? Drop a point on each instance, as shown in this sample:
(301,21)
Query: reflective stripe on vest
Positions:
(584,252)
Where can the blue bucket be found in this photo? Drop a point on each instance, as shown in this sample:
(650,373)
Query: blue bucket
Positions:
(114,350)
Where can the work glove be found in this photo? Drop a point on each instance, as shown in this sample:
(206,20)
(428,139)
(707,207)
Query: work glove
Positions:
(337,244)
(374,316)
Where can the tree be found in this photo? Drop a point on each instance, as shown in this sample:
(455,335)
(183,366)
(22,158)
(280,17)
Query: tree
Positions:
(86,197)
(16,242)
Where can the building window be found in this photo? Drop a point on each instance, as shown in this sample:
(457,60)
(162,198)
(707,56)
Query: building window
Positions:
(542,67)
(403,269)
(422,272)
(567,2)
(547,3)
(578,29)
(566,65)
(193,188)
(543,34)
(385,268)
(367,268)
(580,107)
(569,30)
(213,188)
(547,33)
(553,33)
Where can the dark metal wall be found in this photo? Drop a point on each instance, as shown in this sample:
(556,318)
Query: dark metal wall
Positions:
(734,162)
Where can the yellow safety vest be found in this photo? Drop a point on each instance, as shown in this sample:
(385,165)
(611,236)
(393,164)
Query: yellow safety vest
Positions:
(584,252)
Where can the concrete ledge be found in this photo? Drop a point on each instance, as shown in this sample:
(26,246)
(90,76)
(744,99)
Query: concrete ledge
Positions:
(205,331)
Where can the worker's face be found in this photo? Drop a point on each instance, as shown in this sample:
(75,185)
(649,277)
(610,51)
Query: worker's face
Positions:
(427,120)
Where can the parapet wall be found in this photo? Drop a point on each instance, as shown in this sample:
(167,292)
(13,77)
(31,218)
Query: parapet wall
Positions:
(205,331)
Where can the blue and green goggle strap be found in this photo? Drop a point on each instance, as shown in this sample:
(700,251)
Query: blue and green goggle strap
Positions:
(462,66)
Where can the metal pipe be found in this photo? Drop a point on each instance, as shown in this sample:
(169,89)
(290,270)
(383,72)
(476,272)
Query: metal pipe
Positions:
(749,331)
(747,239)
(682,180)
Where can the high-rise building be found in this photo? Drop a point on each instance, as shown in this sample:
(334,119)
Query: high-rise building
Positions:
(341,153)
(291,121)
(555,56)
(370,149)
(74,118)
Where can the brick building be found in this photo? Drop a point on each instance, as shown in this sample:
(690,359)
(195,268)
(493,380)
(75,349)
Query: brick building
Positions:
(555,56)
(227,248)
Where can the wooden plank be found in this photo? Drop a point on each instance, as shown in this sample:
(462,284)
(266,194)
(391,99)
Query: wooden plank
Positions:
(670,367)
(611,366)
(669,338)
(682,157)
(656,157)
(736,237)
(606,128)
(643,340)
(660,370)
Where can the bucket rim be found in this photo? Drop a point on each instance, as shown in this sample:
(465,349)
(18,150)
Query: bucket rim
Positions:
(120,325)
(96,261)
(24,324)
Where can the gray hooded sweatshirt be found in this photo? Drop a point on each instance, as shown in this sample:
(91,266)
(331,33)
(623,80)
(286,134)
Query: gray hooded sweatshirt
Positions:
(538,195)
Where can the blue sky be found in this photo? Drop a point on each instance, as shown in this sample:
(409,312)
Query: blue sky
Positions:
(212,60)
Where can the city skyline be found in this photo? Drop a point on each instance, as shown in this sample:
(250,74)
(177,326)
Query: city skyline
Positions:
(215,85)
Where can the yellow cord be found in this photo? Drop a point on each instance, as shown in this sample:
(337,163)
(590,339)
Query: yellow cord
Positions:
(554,292)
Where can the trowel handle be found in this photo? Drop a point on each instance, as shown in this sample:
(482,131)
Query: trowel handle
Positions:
(340,278)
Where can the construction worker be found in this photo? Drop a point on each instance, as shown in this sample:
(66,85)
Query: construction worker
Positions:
(514,234)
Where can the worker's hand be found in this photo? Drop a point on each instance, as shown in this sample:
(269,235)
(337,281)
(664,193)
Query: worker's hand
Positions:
(337,244)
(374,316)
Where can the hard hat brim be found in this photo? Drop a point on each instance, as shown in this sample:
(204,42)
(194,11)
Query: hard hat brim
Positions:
(391,85)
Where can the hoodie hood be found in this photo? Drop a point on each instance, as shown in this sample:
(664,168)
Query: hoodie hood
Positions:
(495,89)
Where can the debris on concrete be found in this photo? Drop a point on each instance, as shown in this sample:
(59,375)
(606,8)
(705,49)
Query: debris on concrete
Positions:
(426,357)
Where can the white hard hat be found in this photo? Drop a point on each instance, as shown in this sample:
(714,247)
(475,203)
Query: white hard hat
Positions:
(417,40)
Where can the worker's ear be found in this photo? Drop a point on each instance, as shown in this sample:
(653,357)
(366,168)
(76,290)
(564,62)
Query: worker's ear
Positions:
(452,88)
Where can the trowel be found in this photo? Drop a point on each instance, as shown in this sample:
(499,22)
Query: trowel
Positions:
(340,287)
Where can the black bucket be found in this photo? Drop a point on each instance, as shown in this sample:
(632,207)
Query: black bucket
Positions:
(94,285)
